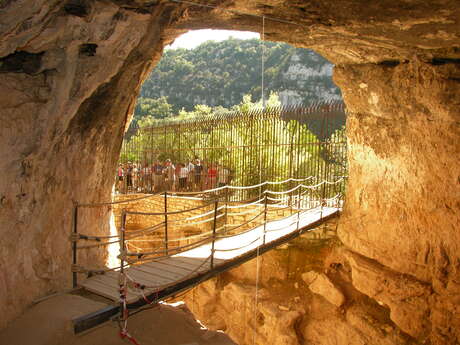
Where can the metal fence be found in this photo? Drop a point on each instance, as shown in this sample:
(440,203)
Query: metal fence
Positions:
(236,148)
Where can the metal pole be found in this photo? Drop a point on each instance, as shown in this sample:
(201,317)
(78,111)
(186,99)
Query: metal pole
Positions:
(74,244)
(214,225)
(298,207)
(121,280)
(226,208)
(122,240)
(265,216)
(166,222)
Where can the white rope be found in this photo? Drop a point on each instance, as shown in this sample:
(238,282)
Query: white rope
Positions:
(247,205)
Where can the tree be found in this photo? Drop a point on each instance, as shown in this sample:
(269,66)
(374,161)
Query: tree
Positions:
(158,108)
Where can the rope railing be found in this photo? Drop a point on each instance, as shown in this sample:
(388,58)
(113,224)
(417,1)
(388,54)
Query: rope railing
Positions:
(297,199)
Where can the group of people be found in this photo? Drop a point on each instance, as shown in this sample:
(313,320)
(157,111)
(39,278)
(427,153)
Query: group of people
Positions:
(195,175)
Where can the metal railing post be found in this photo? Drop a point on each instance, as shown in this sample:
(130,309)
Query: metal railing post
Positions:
(122,240)
(74,244)
(214,226)
(298,206)
(226,209)
(265,216)
(322,200)
(166,223)
(121,278)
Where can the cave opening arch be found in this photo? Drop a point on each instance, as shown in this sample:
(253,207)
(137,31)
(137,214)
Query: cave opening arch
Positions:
(71,91)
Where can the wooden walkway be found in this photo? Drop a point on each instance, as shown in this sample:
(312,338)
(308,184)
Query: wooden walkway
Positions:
(169,275)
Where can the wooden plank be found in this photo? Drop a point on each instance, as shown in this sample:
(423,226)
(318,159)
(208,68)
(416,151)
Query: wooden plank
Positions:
(169,276)
(107,285)
(102,289)
(172,272)
(185,262)
(165,264)
(147,278)
(132,295)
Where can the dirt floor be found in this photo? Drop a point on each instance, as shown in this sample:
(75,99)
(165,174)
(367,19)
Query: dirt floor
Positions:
(49,323)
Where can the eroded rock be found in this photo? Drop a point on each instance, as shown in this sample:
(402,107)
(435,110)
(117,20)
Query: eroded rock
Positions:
(322,285)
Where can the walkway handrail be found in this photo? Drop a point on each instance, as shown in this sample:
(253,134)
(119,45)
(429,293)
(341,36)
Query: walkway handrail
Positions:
(293,201)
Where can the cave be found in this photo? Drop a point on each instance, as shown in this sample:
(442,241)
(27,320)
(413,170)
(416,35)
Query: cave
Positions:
(70,73)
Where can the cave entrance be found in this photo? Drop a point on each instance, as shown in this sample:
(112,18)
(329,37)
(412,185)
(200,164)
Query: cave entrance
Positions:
(197,106)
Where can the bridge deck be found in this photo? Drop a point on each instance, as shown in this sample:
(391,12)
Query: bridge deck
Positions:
(167,272)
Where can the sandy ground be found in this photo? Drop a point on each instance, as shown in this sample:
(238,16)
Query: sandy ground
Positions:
(49,323)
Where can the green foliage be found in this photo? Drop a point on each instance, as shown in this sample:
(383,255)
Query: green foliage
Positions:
(220,73)
(253,149)
(158,108)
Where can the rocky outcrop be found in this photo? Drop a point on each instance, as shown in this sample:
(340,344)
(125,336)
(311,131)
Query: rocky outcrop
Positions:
(312,301)
(320,284)
(70,72)
(402,210)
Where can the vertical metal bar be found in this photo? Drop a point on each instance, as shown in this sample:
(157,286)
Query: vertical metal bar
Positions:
(74,244)
(265,217)
(121,278)
(214,225)
(166,222)
(122,240)
(226,208)
(299,194)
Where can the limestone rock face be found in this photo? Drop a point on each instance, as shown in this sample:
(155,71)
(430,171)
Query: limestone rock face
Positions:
(322,285)
(402,209)
(298,308)
(70,72)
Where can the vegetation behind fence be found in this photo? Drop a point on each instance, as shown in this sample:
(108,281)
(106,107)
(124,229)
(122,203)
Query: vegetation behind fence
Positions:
(258,145)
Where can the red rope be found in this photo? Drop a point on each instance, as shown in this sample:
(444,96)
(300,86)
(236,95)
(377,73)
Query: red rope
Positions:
(124,334)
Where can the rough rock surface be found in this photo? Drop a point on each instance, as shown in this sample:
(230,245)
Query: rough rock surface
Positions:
(50,323)
(320,284)
(70,72)
(291,308)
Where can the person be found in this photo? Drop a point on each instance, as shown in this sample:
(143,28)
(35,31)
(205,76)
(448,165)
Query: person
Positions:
(145,174)
(222,178)
(198,169)
(158,178)
(129,177)
(135,177)
(120,174)
(177,173)
(204,174)
(191,170)
(170,176)
(183,174)
(212,176)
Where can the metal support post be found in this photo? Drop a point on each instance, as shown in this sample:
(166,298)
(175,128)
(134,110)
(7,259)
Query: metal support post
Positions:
(265,216)
(226,209)
(122,240)
(166,223)
(74,244)
(214,226)
(298,206)
(121,277)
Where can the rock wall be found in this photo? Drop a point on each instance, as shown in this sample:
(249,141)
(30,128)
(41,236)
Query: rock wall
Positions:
(63,116)
(70,72)
(402,212)
(304,296)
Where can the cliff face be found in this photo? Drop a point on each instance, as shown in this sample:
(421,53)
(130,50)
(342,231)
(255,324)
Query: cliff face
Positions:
(401,218)
(70,73)
(221,73)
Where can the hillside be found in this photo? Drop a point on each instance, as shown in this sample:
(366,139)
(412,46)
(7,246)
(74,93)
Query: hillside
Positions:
(220,73)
